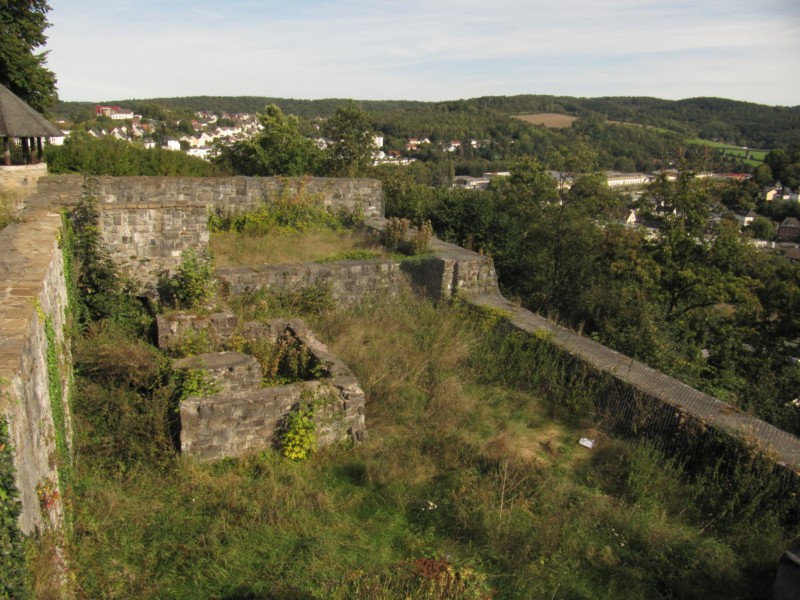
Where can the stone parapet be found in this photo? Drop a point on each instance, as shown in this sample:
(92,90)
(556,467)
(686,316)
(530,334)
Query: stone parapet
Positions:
(22,178)
(32,295)
(673,402)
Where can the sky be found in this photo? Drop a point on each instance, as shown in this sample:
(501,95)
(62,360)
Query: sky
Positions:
(426,49)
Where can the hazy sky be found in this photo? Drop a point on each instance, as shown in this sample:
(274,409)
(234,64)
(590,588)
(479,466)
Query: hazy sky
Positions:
(426,49)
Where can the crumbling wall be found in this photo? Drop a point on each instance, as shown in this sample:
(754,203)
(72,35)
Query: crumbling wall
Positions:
(241,415)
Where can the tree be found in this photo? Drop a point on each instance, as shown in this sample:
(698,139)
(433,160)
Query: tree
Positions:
(22,25)
(350,140)
(763,229)
(280,149)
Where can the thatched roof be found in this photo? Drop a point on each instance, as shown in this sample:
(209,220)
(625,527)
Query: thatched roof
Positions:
(18,120)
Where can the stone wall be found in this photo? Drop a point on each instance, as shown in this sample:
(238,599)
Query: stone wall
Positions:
(638,400)
(22,178)
(33,291)
(146,240)
(448,271)
(148,222)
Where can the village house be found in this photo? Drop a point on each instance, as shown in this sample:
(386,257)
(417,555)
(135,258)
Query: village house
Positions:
(789,230)
(745,217)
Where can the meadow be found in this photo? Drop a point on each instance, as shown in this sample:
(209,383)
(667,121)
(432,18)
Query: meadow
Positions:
(549,120)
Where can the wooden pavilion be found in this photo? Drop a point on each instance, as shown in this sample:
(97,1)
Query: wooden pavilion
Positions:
(22,129)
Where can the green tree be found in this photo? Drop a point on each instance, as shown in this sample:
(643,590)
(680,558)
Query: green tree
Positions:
(280,149)
(350,141)
(22,70)
(763,229)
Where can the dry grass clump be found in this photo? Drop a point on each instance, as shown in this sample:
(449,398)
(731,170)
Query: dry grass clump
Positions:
(408,355)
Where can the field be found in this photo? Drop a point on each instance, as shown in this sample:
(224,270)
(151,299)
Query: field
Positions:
(549,120)
(752,157)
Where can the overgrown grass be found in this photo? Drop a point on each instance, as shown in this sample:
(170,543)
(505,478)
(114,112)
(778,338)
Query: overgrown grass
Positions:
(231,249)
(465,472)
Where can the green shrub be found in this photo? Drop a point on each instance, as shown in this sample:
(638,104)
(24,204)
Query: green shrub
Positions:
(297,438)
(191,284)
(285,360)
(192,382)
(264,304)
(422,238)
(12,564)
(350,255)
(101,292)
(292,212)
(397,236)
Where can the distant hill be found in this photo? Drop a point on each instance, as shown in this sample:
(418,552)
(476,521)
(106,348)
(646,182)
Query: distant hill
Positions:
(740,123)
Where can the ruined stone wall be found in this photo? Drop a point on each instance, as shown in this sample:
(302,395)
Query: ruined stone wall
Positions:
(241,415)
(33,294)
(148,222)
(148,239)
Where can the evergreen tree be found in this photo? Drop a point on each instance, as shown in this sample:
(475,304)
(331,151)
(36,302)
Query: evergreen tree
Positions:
(22,70)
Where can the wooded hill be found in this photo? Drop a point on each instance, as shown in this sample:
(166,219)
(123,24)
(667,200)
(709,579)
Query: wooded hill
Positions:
(741,123)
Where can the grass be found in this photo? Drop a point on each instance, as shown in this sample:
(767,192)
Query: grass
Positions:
(549,120)
(756,156)
(8,202)
(467,488)
(232,249)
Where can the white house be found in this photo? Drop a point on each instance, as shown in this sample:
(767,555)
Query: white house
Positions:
(745,217)
(204,153)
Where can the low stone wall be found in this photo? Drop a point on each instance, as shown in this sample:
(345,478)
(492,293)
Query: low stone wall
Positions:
(32,296)
(21,179)
(227,372)
(350,281)
(449,271)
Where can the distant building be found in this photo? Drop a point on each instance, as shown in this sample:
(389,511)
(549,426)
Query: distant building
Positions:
(113,112)
(626,179)
(789,230)
(471,183)
(745,217)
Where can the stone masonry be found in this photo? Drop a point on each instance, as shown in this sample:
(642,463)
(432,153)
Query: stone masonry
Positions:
(148,222)
(242,415)
(32,289)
